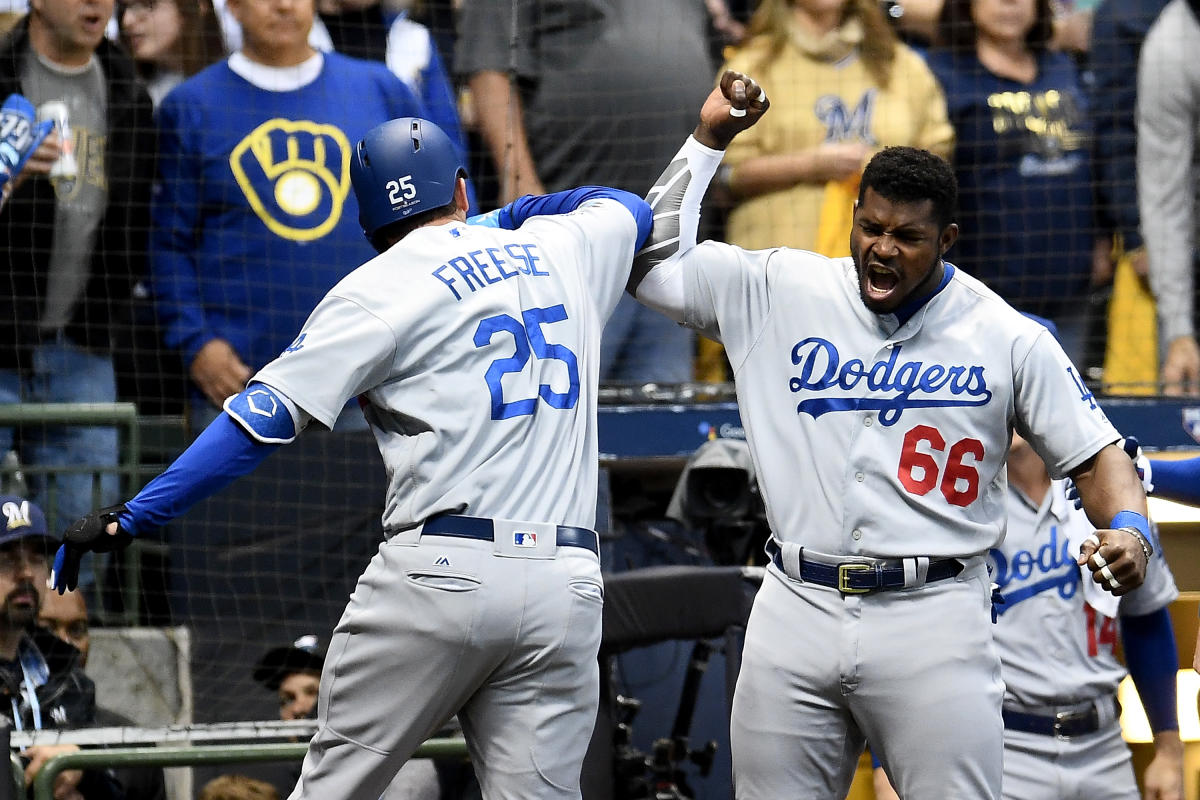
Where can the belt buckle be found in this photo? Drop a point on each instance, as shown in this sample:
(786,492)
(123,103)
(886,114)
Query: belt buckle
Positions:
(1060,720)
(844,571)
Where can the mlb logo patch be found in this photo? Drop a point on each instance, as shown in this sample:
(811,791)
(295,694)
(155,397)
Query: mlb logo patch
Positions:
(1191,422)
(523,539)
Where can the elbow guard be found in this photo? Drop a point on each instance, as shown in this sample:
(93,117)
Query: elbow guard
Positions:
(266,414)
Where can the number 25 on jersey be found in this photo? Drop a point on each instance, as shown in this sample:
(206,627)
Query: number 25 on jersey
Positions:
(528,339)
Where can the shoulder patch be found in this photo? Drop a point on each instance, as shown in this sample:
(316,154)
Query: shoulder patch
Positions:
(263,413)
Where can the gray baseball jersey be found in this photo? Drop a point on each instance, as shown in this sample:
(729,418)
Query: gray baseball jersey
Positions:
(460,341)
(873,435)
(1055,635)
(474,352)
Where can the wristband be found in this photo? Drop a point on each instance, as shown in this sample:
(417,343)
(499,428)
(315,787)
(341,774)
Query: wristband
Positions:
(1136,524)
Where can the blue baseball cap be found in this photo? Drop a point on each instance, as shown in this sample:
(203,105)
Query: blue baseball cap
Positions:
(23,519)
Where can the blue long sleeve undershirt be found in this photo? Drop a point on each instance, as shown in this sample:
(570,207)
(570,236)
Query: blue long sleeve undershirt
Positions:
(1177,480)
(222,453)
(513,215)
(1152,659)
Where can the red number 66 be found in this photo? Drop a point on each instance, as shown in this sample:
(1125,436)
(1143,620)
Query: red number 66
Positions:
(960,481)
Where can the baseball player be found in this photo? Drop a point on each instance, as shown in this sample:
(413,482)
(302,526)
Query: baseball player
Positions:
(473,351)
(879,393)
(1055,636)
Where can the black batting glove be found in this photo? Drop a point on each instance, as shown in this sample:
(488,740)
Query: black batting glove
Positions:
(86,535)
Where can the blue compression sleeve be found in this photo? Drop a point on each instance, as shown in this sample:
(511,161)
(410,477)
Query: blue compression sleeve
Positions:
(513,215)
(220,454)
(1152,659)
(1177,480)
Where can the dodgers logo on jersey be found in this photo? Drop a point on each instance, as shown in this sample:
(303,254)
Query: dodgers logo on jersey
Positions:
(295,175)
(915,384)
(1051,566)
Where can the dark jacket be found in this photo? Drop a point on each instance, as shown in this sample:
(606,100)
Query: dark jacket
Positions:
(27,222)
(67,700)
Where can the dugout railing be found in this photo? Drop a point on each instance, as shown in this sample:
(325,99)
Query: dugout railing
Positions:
(183,746)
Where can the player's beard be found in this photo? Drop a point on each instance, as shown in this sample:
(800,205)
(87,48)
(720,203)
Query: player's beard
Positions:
(18,615)
(918,289)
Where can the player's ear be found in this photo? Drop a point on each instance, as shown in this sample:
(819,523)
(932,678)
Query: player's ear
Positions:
(460,194)
(947,238)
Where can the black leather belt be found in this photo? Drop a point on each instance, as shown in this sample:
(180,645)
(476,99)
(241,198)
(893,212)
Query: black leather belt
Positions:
(1063,724)
(481,528)
(858,577)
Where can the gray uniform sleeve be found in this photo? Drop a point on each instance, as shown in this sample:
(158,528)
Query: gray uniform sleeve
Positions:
(727,295)
(342,351)
(1053,409)
(1166,119)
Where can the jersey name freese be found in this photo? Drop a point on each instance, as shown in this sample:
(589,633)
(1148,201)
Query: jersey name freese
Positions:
(821,369)
(479,269)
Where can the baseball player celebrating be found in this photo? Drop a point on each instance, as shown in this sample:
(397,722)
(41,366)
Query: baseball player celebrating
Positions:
(879,393)
(474,352)
(1055,636)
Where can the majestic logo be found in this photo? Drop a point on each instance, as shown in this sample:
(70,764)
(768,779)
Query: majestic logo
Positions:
(914,384)
(295,175)
(1051,564)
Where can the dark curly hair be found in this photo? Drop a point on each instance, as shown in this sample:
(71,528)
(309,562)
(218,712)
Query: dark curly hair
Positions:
(910,175)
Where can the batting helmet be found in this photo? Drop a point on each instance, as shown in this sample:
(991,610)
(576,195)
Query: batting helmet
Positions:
(400,168)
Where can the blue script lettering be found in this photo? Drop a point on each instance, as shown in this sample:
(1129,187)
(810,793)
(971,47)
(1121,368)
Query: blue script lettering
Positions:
(1051,565)
(821,369)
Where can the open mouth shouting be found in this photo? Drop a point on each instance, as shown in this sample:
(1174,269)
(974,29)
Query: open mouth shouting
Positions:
(879,282)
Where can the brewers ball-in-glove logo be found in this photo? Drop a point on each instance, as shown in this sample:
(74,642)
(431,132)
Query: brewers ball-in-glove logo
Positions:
(296,176)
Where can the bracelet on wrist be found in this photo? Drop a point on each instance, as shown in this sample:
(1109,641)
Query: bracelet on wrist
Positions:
(1147,548)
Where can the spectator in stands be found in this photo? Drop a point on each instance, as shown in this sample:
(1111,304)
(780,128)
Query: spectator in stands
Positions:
(237,787)
(1168,105)
(170,40)
(293,672)
(73,247)
(1022,159)
(547,108)
(254,220)
(846,88)
(65,615)
(42,684)
(1119,26)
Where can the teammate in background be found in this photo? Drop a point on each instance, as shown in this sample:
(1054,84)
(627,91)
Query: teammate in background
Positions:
(1055,635)
(879,393)
(1177,480)
(474,353)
